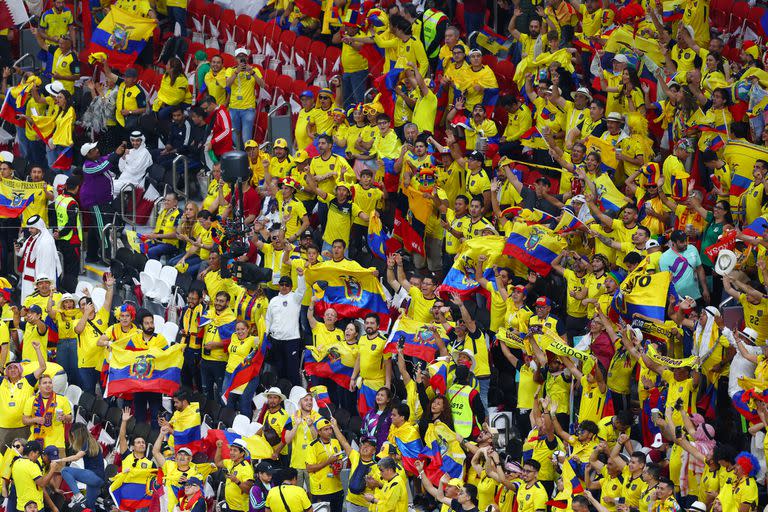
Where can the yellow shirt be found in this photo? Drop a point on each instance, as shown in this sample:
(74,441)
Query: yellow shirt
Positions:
(56,24)
(52,433)
(424,112)
(174,93)
(611,488)
(39,207)
(238,350)
(293,213)
(372,358)
(367,200)
(89,354)
(323,121)
(420,307)
(531,499)
(336,165)
(300,131)
(13,398)
(351,60)
(217,85)
(756,317)
(292,495)
(278,168)
(243,89)
(325,481)
(236,498)
(24,473)
(167,222)
(339,221)
(592,401)
(518,122)
(682,390)
(212,334)
(323,338)
(64,124)
(301,441)
(575,284)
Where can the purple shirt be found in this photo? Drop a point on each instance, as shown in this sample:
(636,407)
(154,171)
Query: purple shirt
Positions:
(97,183)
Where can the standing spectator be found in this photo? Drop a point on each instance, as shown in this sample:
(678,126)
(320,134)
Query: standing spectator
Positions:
(219,326)
(177,12)
(189,330)
(433,30)
(220,123)
(288,497)
(239,474)
(324,466)
(242,102)
(46,413)
(38,258)
(202,69)
(131,102)
(27,476)
(15,390)
(57,22)
(260,490)
(133,165)
(69,233)
(282,319)
(353,64)
(682,259)
(92,472)
(216,81)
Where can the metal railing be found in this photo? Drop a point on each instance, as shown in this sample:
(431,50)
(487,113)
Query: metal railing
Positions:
(132,189)
(180,193)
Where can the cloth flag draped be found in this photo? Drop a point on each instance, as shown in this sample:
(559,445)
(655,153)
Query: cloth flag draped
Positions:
(647,295)
(461,277)
(496,44)
(12,13)
(133,489)
(741,157)
(609,196)
(15,196)
(412,213)
(535,246)
(187,425)
(122,35)
(149,371)
(419,340)
(15,100)
(327,364)
(64,160)
(410,446)
(442,449)
(246,371)
(377,236)
(258,446)
(353,291)
(605,149)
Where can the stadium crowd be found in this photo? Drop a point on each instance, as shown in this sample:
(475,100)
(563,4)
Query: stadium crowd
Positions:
(511,270)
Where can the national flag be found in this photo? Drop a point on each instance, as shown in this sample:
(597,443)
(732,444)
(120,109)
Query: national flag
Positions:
(740,157)
(328,364)
(412,213)
(310,8)
(321,395)
(707,402)
(122,35)
(531,135)
(246,371)
(606,150)
(419,340)
(187,425)
(742,401)
(611,199)
(647,295)
(717,143)
(494,43)
(461,276)
(439,439)
(440,376)
(387,84)
(568,223)
(133,489)
(391,177)
(756,228)
(64,160)
(15,101)
(409,444)
(535,246)
(150,371)
(350,289)
(657,399)
(627,36)
(15,196)
(12,13)
(571,484)
(366,399)
(377,236)
(43,126)
(672,11)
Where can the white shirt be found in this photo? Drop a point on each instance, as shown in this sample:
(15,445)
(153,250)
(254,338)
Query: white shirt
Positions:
(740,367)
(283,313)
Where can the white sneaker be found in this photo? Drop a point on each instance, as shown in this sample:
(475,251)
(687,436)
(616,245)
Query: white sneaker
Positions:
(76,500)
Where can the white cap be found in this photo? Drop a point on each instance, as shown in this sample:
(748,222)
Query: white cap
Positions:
(475,50)
(620,57)
(67,296)
(42,277)
(651,243)
(584,91)
(87,147)
(54,88)
(6,156)
(615,116)
(241,51)
(469,354)
(697,506)
(657,441)
(240,444)
(749,333)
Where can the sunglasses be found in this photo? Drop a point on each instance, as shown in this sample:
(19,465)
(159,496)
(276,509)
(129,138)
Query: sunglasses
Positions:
(324,97)
(18,446)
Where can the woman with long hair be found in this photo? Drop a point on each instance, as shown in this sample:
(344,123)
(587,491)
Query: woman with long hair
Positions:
(174,90)
(377,421)
(92,473)
(717,221)
(439,408)
(60,124)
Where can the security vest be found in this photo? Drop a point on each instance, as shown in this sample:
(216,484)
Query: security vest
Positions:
(126,100)
(461,409)
(61,204)
(429,22)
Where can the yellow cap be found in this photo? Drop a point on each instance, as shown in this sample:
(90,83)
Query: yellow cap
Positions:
(301,156)
(251,144)
(456,482)
(322,423)
(280,143)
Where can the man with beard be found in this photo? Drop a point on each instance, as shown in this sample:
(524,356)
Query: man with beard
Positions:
(189,330)
(180,470)
(276,422)
(373,366)
(144,340)
(218,326)
(324,458)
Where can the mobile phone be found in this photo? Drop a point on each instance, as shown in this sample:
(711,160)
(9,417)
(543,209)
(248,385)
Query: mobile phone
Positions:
(678,432)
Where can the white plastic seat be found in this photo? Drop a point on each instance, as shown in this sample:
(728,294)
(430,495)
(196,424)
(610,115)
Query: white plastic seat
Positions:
(98,295)
(147,282)
(153,267)
(168,275)
(170,330)
(241,424)
(73,393)
(159,322)
(160,292)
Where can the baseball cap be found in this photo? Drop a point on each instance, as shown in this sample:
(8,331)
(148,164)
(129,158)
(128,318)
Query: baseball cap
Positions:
(651,244)
(184,450)
(678,236)
(476,155)
(369,440)
(657,441)
(251,144)
(194,481)
(87,147)
(52,452)
(36,309)
(322,423)
(620,57)
(543,301)
(241,51)
(306,234)
(301,156)
(455,482)
(280,143)
(285,280)
(307,94)
(520,288)
(264,467)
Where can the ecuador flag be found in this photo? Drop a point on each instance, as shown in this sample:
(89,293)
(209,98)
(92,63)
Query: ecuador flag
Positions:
(740,157)
(610,198)
(147,371)
(419,340)
(15,196)
(353,291)
(440,441)
(14,102)
(187,426)
(122,35)
(535,246)
(377,236)
(133,489)
(461,277)
(647,294)
(328,364)
(606,151)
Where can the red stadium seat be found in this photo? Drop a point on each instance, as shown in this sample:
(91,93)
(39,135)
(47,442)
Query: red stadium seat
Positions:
(259,28)
(229,60)
(739,13)
(228,16)
(285,84)
(302,47)
(213,12)
(317,52)
(196,8)
(299,86)
(270,77)
(288,39)
(195,47)
(211,52)
(490,61)
(244,22)
(332,54)
(755,20)
(272,31)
